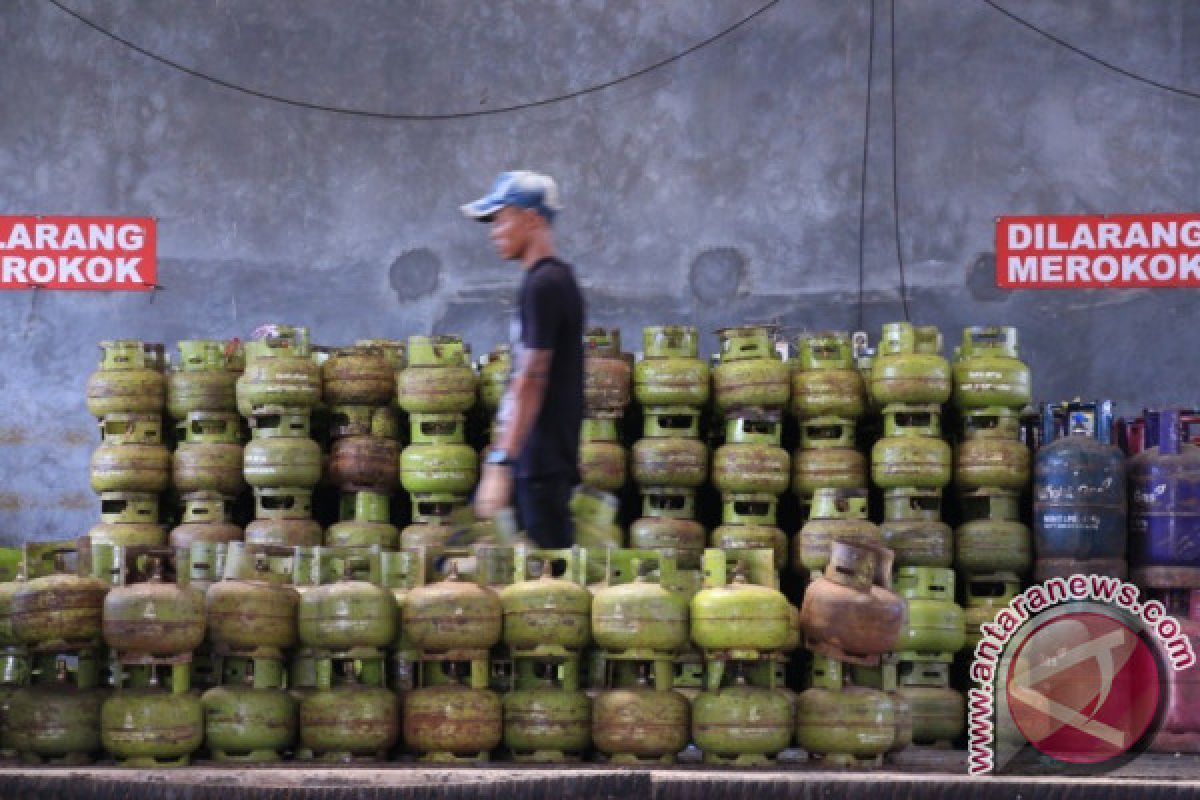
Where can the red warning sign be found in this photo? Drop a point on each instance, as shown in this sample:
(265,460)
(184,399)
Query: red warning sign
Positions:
(91,253)
(1118,251)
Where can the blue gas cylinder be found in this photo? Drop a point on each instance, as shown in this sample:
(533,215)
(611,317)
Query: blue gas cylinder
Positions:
(1079,502)
(1164,519)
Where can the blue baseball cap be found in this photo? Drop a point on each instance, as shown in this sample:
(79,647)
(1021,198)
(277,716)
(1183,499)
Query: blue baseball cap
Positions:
(523,189)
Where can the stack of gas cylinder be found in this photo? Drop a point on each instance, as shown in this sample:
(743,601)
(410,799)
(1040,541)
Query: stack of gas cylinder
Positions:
(132,466)
(639,626)
(828,398)
(1164,550)
(52,623)
(852,714)
(751,387)
(347,620)
(359,386)
(206,466)
(606,396)
(277,393)
(992,464)
(153,621)
(670,461)
(252,626)
(438,468)
(547,626)
(746,629)
(450,713)
(602,463)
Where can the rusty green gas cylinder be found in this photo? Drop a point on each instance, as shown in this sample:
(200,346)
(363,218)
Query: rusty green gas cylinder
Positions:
(350,721)
(988,371)
(670,452)
(149,727)
(202,380)
(252,609)
(740,616)
(750,373)
(547,724)
(606,373)
(129,380)
(453,614)
(55,720)
(153,617)
(547,612)
(991,454)
(640,723)
(640,615)
(837,515)
(911,453)
(281,454)
(438,379)
(364,464)
(62,610)
(364,523)
(748,523)
(280,373)
(741,720)
(847,721)
(349,613)
(846,612)
(992,538)
(601,456)
(939,712)
(751,459)
(827,458)
(984,596)
(437,460)
(668,525)
(205,519)
(825,382)
(358,376)
(128,518)
(909,367)
(494,371)
(208,457)
(912,528)
(935,622)
(394,351)
(430,527)
(453,720)
(132,457)
(245,724)
(670,372)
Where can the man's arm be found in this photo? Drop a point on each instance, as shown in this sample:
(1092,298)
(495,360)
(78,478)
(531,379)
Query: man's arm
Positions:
(528,390)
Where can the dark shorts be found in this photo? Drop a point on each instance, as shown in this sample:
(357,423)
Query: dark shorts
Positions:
(543,509)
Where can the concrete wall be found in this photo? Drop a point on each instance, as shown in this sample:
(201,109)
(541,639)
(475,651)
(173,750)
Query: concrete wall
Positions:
(723,188)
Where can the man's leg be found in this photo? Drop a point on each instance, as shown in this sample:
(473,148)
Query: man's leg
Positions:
(543,506)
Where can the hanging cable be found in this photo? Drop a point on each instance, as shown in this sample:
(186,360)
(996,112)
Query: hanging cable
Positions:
(1166,87)
(862,194)
(385,115)
(895,183)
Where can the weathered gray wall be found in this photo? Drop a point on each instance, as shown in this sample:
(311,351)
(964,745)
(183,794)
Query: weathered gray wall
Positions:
(720,189)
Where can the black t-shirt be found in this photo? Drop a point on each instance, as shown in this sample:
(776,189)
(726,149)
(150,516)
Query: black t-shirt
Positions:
(550,317)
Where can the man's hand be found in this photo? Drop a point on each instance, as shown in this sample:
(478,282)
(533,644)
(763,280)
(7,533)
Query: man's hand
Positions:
(494,492)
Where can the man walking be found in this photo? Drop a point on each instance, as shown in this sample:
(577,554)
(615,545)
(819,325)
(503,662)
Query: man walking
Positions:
(535,452)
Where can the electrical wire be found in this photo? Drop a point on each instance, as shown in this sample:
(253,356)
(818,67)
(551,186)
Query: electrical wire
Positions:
(406,117)
(862,196)
(895,170)
(1166,87)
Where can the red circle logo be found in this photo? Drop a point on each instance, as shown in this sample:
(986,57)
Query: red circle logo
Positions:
(1084,688)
